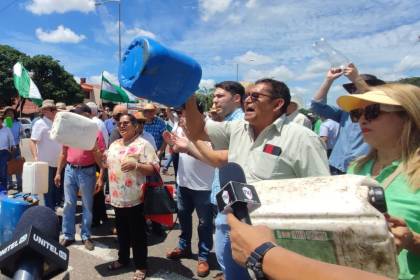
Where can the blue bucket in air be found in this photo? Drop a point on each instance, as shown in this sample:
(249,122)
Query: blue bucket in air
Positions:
(152,71)
(11,211)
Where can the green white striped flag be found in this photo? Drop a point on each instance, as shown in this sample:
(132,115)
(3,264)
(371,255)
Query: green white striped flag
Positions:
(24,84)
(114,93)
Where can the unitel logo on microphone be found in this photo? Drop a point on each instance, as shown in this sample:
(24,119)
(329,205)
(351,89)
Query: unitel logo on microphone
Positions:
(226,197)
(247,192)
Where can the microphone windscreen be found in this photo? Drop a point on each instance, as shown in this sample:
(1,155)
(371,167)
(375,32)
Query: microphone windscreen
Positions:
(42,218)
(231,172)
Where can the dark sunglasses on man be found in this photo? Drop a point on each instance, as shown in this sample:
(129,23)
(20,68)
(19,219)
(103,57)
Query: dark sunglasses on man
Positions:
(371,112)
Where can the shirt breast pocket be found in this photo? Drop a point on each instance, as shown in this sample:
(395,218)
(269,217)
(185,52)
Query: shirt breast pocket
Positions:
(264,165)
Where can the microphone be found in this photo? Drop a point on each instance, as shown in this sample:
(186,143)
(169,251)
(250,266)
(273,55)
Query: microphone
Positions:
(34,251)
(236,195)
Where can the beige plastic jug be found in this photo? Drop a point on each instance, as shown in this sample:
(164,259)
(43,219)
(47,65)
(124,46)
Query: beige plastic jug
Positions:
(35,177)
(331,219)
(74,130)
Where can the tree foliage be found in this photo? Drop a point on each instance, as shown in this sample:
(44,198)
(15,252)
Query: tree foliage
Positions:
(414,81)
(205,99)
(53,81)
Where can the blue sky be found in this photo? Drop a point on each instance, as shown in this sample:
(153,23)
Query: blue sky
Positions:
(265,38)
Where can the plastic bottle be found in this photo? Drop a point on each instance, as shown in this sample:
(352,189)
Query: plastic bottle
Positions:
(336,58)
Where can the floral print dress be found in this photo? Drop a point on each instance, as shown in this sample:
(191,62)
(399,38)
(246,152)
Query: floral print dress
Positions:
(126,188)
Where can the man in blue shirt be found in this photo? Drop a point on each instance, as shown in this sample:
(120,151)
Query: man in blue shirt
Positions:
(116,113)
(155,126)
(349,145)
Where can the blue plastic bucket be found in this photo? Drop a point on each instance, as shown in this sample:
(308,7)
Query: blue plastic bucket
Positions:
(154,72)
(11,211)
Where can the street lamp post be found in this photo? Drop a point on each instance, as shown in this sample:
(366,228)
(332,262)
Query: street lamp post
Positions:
(237,69)
(119,23)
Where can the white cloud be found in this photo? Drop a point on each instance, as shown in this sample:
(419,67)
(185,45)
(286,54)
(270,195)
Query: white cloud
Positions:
(298,90)
(408,62)
(209,8)
(40,7)
(281,73)
(315,68)
(251,3)
(60,35)
(209,83)
(135,32)
(97,79)
(252,58)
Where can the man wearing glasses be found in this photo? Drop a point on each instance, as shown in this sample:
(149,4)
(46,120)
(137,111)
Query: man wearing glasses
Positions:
(349,144)
(264,143)
(43,148)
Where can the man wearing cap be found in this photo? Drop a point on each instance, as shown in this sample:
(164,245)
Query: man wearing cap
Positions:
(110,123)
(43,148)
(295,116)
(349,144)
(155,126)
(80,175)
(144,134)
(264,143)
(6,145)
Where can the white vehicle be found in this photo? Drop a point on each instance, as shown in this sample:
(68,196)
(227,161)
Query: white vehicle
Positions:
(26,127)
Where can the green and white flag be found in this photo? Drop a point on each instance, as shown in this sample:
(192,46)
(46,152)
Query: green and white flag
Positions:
(24,84)
(114,93)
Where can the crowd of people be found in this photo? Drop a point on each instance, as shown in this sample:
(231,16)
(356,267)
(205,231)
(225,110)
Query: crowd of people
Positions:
(374,131)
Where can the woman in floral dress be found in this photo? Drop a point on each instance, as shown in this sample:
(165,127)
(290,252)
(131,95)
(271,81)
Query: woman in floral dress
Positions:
(130,159)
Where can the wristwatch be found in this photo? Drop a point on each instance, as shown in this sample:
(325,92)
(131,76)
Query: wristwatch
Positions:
(254,261)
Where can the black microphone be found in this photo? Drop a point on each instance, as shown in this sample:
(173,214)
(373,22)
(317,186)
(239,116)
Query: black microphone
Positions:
(34,251)
(236,195)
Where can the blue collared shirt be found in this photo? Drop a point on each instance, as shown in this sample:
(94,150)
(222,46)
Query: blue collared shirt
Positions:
(110,124)
(156,127)
(215,187)
(349,145)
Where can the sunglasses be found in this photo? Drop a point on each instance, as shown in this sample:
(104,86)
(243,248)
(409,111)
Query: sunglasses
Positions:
(117,116)
(372,112)
(126,123)
(255,95)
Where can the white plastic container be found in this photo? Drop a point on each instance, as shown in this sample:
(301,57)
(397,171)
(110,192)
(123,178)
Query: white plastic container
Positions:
(35,177)
(74,130)
(330,219)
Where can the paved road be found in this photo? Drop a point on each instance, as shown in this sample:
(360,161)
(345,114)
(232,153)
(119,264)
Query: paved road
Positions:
(92,264)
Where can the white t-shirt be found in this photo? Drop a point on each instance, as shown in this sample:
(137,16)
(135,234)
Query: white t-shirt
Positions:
(102,128)
(329,129)
(6,138)
(48,150)
(193,173)
(149,138)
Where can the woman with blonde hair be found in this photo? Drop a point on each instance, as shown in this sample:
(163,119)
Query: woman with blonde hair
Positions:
(389,117)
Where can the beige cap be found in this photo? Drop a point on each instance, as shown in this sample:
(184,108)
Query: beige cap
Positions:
(150,107)
(139,116)
(48,103)
(355,101)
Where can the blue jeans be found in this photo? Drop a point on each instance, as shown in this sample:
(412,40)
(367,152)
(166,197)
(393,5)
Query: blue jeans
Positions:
(75,179)
(188,200)
(52,194)
(4,157)
(230,268)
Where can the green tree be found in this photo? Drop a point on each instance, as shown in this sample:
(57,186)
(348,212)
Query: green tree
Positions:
(414,81)
(8,57)
(205,99)
(53,81)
